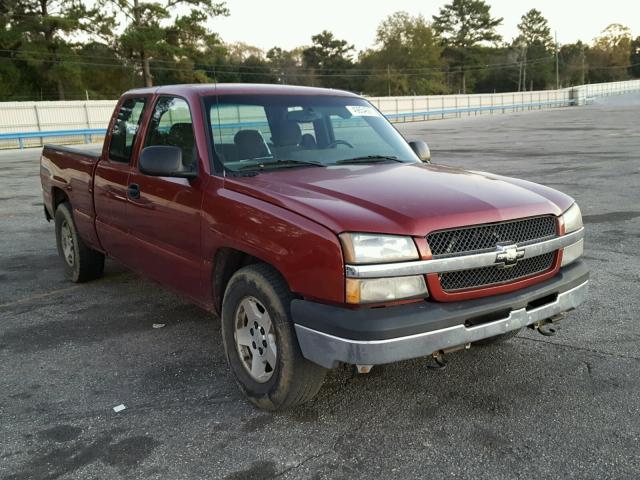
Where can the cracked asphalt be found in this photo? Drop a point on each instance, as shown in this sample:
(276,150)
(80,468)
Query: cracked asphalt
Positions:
(537,407)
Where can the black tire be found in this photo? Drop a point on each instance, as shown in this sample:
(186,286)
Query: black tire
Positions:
(294,380)
(82,263)
(499,338)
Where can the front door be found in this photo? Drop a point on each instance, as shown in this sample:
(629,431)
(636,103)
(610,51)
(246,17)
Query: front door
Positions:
(112,177)
(165,213)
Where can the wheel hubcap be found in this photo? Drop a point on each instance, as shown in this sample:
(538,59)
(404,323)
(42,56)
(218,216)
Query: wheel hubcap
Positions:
(255,339)
(66,240)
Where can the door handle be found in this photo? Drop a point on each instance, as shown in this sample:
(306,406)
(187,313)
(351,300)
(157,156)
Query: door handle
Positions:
(133,191)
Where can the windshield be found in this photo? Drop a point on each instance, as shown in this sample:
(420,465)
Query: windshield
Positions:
(265,132)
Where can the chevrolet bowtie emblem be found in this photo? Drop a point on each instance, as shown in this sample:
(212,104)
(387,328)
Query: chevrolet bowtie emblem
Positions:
(508,255)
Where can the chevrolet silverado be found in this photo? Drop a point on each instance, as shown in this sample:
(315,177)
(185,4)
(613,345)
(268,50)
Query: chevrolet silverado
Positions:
(313,229)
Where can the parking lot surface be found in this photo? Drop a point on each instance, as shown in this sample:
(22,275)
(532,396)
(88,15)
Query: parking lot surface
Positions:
(537,407)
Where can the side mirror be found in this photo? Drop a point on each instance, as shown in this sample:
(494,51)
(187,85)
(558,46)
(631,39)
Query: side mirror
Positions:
(421,149)
(164,161)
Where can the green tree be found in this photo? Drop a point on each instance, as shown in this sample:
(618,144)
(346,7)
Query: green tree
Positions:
(501,73)
(463,26)
(609,56)
(330,58)
(406,59)
(287,64)
(106,76)
(534,42)
(40,34)
(573,64)
(146,36)
(634,58)
(189,51)
(256,69)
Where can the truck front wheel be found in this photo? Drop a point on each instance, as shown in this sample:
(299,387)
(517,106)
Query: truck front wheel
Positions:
(260,341)
(81,262)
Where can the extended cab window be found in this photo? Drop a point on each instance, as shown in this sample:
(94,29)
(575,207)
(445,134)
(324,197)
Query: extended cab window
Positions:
(171,124)
(124,132)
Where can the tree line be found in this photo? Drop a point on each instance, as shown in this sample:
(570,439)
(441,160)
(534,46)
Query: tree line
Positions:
(70,49)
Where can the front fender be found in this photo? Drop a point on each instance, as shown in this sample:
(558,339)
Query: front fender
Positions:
(307,254)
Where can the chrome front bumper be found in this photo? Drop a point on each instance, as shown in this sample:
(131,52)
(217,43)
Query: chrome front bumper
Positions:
(327,350)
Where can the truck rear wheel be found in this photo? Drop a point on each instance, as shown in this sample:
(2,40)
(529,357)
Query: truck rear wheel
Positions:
(260,341)
(81,262)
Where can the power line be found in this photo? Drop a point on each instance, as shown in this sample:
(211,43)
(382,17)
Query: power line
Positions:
(238,68)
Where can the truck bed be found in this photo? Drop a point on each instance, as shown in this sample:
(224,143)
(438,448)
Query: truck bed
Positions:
(90,150)
(66,171)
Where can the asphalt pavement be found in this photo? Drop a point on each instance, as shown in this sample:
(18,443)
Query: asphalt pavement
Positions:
(537,407)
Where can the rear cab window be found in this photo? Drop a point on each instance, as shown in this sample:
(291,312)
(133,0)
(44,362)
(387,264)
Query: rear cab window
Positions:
(125,129)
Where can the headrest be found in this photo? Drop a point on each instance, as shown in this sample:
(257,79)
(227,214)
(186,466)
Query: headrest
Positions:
(287,134)
(250,144)
(181,130)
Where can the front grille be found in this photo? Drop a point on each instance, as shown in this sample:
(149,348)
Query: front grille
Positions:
(487,276)
(469,240)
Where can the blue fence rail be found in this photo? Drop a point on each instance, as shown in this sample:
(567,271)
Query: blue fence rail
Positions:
(88,134)
(22,136)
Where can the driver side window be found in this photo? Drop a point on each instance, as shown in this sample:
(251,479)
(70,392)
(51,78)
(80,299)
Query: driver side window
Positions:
(171,124)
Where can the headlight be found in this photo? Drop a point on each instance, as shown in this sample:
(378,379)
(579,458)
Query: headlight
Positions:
(370,248)
(374,290)
(572,219)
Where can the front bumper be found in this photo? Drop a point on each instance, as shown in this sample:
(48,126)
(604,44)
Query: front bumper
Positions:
(328,335)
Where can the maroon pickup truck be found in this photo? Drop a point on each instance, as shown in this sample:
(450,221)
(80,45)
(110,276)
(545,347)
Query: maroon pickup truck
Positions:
(313,229)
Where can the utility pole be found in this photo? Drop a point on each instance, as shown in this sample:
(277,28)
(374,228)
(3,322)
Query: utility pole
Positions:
(557,69)
(582,77)
(524,68)
(388,81)
(520,83)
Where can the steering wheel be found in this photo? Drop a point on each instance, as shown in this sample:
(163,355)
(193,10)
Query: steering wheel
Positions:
(339,142)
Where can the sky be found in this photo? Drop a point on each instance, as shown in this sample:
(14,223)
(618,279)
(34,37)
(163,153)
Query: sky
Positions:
(291,23)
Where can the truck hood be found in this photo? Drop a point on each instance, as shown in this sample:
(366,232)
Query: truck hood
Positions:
(404,199)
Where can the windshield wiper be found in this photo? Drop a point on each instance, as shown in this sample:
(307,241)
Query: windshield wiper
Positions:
(369,159)
(280,164)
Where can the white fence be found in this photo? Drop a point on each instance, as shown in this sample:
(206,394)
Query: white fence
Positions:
(403,109)
(82,121)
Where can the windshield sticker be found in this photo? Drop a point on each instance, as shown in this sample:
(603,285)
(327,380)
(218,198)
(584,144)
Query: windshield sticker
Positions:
(362,111)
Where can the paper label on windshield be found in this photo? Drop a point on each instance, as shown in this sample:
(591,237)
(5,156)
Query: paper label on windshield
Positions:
(362,111)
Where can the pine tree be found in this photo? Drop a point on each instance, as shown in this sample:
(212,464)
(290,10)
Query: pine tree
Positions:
(146,37)
(534,42)
(463,25)
(40,34)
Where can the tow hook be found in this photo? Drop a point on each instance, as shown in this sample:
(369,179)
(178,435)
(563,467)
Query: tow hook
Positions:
(439,361)
(439,356)
(546,328)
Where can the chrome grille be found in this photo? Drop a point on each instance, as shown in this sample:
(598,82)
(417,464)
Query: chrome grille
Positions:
(469,240)
(487,276)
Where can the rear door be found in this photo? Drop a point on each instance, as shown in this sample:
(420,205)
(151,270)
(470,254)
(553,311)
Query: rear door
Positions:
(165,215)
(112,176)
